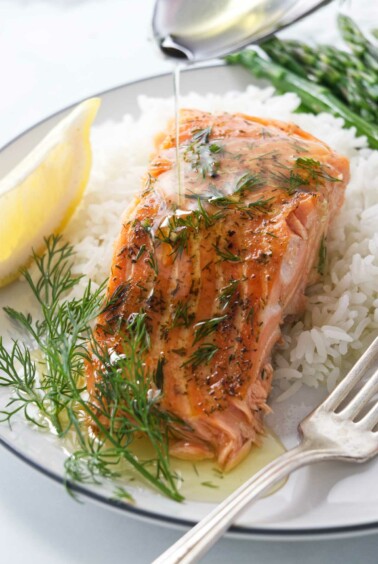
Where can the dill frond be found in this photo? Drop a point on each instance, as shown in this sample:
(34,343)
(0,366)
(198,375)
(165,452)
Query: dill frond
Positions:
(48,382)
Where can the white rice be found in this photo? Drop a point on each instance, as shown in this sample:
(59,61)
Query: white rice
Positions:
(341,318)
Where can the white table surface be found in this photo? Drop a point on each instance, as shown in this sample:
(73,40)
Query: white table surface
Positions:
(53,53)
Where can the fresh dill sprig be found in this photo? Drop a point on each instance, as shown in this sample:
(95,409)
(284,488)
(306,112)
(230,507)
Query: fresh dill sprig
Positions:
(208,219)
(315,169)
(146,225)
(48,383)
(202,155)
(140,253)
(305,171)
(13,362)
(289,182)
(59,335)
(247,183)
(181,316)
(204,328)
(176,230)
(121,493)
(116,300)
(219,199)
(226,254)
(201,136)
(227,293)
(262,205)
(202,355)
(152,262)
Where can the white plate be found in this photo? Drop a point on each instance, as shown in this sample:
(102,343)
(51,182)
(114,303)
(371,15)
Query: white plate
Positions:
(324,500)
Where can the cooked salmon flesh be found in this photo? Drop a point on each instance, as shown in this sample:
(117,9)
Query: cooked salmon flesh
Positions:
(216,251)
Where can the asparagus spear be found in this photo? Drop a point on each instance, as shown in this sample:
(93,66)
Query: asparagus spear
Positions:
(340,59)
(281,53)
(342,72)
(358,43)
(295,55)
(313,96)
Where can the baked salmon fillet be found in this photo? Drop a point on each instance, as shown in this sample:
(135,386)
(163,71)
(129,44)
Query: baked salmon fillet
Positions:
(218,267)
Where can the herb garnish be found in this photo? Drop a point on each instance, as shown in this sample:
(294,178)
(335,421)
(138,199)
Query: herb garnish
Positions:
(315,169)
(116,299)
(159,374)
(206,327)
(209,485)
(48,381)
(232,201)
(176,230)
(146,224)
(322,256)
(121,493)
(226,255)
(248,182)
(181,316)
(290,183)
(202,355)
(262,205)
(228,292)
(203,155)
(140,253)
(208,219)
(304,171)
(153,262)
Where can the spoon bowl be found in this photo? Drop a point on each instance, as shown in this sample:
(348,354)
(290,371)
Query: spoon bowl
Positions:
(198,30)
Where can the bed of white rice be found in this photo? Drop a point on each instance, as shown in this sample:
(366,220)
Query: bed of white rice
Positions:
(341,318)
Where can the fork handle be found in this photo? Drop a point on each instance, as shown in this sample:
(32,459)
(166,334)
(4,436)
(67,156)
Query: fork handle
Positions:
(196,542)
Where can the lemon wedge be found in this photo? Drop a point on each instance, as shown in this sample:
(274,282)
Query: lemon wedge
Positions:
(40,194)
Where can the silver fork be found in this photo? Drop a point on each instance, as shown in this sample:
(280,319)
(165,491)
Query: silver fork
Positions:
(334,430)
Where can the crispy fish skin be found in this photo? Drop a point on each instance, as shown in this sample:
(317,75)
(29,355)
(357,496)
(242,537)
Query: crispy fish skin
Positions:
(217,271)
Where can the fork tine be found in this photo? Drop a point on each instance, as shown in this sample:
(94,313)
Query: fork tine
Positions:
(368,390)
(366,362)
(371,418)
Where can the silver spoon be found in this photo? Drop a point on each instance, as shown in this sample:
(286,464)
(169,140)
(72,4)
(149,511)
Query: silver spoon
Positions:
(197,30)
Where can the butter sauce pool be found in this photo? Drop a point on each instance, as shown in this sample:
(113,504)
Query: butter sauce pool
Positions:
(203,481)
